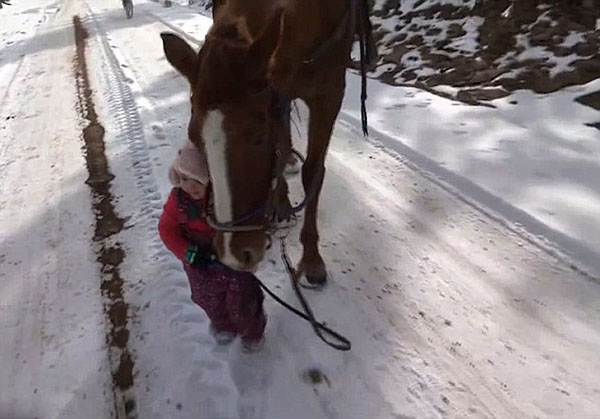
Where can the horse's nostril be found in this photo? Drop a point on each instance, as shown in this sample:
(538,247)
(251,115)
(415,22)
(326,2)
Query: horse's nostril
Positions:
(248,259)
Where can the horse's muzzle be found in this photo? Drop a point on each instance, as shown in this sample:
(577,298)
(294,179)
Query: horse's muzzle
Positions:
(242,250)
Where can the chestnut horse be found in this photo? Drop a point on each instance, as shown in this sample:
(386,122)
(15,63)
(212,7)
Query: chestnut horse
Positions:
(258,56)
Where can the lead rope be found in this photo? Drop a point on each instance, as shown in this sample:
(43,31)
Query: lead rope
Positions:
(363,68)
(342,344)
(320,329)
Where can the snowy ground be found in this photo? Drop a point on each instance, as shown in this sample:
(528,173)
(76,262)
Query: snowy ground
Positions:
(448,273)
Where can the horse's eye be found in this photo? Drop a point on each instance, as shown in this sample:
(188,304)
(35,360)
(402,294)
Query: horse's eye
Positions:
(259,139)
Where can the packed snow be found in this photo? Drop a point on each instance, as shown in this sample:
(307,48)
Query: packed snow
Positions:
(462,245)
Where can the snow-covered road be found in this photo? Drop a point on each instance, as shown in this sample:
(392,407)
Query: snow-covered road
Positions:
(451,313)
(52,352)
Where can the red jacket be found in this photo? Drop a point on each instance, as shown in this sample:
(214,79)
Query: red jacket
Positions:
(183,223)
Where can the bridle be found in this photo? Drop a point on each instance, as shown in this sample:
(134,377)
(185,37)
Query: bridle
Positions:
(268,211)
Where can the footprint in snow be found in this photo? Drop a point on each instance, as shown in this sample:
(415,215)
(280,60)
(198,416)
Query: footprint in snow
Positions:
(160,136)
(158,132)
(251,374)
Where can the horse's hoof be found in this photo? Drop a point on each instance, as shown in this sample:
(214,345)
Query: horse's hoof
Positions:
(292,166)
(315,274)
(317,281)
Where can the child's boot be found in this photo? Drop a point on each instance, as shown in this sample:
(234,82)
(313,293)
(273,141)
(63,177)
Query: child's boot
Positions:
(250,346)
(221,337)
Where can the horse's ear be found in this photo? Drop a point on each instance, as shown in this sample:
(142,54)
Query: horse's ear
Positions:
(263,48)
(181,55)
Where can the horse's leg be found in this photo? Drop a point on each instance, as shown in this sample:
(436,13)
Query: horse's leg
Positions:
(292,164)
(282,203)
(283,206)
(323,112)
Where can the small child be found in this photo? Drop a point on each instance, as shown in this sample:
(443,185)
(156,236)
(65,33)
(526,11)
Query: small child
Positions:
(232,300)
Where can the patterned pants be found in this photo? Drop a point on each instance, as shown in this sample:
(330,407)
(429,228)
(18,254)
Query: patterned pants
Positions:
(232,300)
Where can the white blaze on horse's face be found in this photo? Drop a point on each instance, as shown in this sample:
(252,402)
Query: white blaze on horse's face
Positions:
(215,141)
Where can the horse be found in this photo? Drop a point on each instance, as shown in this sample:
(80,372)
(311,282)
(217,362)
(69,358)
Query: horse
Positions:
(256,58)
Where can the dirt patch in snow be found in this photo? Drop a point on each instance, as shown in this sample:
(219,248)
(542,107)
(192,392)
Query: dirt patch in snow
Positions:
(108,223)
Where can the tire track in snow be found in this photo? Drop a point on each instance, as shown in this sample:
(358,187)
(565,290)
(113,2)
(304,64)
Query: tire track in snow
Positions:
(108,224)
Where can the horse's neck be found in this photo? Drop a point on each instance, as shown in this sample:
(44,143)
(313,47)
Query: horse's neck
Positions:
(307,24)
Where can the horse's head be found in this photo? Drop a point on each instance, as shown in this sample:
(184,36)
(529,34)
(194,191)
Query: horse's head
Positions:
(232,103)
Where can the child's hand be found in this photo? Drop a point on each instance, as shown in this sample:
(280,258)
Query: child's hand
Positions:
(191,255)
(198,258)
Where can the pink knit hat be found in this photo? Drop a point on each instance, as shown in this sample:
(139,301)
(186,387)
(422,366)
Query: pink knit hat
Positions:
(190,162)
